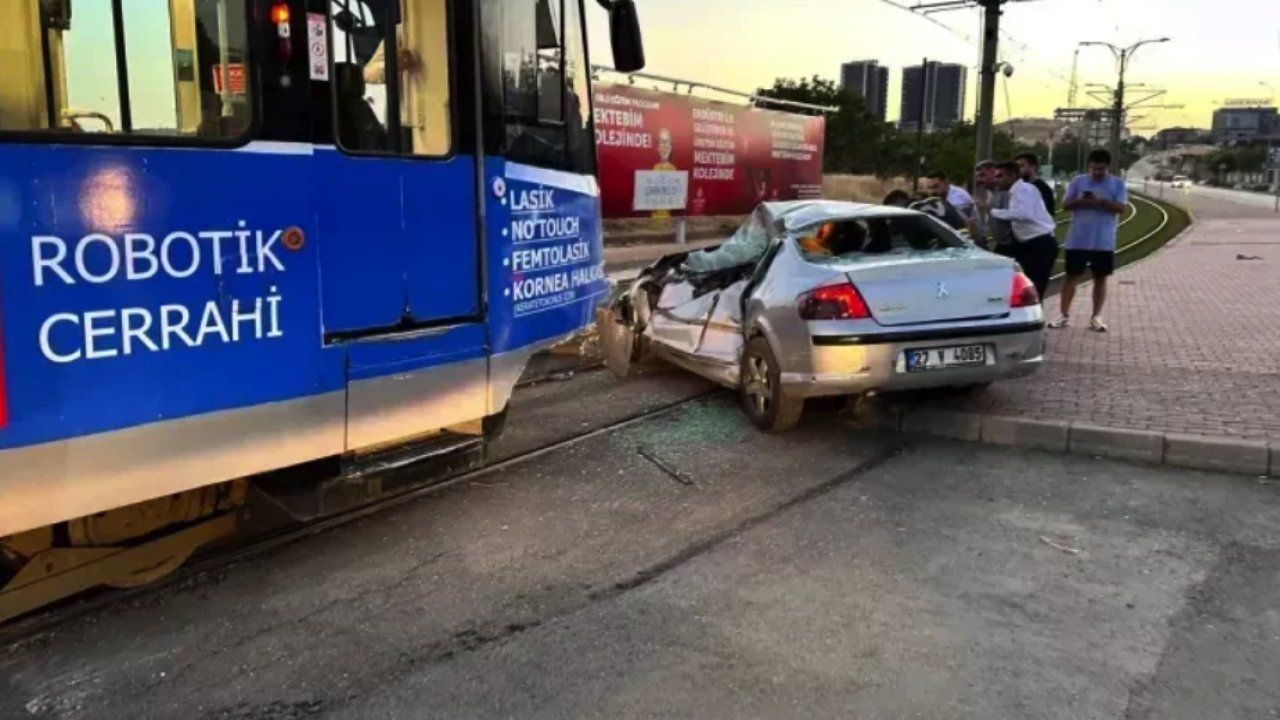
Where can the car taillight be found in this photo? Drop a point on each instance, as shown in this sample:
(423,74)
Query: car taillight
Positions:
(1024,292)
(833,302)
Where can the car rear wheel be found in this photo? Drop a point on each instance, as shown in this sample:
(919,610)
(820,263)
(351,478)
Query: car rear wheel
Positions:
(761,389)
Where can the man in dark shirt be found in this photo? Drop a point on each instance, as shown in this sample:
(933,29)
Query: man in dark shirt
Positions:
(935,203)
(1029,169)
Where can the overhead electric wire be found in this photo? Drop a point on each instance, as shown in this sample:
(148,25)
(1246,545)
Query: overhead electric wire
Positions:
(957,33)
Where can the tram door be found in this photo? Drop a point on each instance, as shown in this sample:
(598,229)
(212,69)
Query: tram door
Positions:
(397,196)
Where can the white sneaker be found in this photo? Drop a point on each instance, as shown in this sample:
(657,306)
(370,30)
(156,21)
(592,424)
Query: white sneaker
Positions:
(1096,324)
(1061,322)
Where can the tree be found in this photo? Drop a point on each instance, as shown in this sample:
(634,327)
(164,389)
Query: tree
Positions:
(1131,150)
(858,143)
(1252,158)
(1223,161)
(1247,159)
(814,91)
(951,151)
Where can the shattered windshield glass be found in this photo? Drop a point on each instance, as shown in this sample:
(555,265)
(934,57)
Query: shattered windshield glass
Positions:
(746,245)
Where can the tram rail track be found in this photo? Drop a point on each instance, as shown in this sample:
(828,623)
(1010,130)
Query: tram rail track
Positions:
(29,628)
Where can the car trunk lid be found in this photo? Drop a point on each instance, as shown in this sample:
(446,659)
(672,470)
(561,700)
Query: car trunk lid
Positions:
(935,287)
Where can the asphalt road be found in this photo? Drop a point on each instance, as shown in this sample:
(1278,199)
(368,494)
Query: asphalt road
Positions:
(688,566)
(1213,203)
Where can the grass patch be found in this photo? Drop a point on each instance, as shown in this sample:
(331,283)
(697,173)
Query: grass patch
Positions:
(1146,218)
(1179,220)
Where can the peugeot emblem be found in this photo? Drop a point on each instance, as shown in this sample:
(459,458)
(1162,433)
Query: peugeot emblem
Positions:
(942,291)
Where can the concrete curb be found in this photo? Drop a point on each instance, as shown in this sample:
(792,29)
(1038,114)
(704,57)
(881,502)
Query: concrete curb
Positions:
(1022,432)
(1238,456)
(1210,453)
(1139,445)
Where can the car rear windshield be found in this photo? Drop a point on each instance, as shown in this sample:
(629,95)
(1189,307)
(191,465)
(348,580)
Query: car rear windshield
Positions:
(900,234)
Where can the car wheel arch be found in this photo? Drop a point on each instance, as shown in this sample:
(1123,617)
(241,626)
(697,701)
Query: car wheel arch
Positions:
(759,327)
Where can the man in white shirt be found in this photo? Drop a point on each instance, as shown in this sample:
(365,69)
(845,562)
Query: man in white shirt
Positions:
(1035,247)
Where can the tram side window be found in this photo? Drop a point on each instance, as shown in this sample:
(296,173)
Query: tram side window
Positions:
(577,69)
(181,70)
(365,52)
(545,85)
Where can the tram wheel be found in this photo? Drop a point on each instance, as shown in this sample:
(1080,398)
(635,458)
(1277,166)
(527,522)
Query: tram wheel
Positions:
(60,572)
(122,548)
(148,572)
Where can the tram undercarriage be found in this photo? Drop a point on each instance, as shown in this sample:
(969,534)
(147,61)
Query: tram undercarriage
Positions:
(140,544)
(122,548)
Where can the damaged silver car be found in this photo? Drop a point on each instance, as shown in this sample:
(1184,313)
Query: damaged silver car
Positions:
(823,298)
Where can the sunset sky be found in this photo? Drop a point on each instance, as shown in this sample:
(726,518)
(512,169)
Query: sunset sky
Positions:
(1220,49)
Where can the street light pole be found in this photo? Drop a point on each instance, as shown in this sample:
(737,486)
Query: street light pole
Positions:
(1123,56)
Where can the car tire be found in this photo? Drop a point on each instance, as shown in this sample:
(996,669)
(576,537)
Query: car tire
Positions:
(760,388)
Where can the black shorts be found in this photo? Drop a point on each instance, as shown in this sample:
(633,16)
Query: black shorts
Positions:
(1101,262)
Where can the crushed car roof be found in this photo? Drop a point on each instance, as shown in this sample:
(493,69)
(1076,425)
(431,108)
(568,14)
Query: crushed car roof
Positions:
(797,214)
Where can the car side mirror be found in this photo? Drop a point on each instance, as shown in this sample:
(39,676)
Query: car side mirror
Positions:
(345,21)
(625,36)
(56,14)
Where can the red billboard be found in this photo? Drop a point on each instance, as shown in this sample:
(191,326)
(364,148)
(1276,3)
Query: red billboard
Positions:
(724,159)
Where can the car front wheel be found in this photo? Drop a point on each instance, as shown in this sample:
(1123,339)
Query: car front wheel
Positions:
(761,389)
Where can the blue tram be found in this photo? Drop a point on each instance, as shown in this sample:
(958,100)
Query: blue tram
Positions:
(240,239)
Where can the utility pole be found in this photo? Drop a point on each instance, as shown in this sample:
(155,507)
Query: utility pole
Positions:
(1123,56)
(1074,85)
(987,87)
(1117,110)
(990,64)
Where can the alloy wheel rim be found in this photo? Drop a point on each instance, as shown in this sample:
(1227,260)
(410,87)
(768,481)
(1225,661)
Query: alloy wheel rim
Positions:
(758,387)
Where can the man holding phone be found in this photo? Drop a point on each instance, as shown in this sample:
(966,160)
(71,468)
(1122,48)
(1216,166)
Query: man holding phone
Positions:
(1095,200)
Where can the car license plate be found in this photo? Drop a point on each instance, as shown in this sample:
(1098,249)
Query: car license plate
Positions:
(946,357)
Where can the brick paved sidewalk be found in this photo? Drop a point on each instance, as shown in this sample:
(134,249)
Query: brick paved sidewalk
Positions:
(1194,345)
